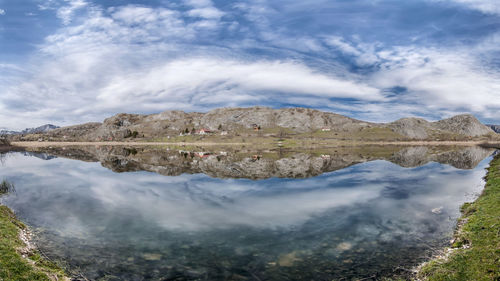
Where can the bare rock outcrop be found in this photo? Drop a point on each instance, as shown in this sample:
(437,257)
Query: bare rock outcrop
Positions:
(415,128)
(464,124)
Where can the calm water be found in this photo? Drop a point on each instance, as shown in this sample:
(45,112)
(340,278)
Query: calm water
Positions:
(177,215)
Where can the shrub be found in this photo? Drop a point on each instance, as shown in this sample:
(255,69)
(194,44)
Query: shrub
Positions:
(4,141)
(6,187)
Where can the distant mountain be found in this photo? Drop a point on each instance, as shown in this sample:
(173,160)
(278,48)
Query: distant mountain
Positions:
(38,130)
(243,123)
(495,128)
(7,132)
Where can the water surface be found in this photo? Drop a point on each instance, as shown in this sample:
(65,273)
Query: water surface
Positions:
(182,215)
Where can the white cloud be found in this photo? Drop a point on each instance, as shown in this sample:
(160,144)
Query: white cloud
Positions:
(98,85)
(203,80)
(47,5)
(440,79)
(139,59)
(485,6)
(342,45)
(364,53)
(2,12)
(206,12)
(133,59)
(66,12)
(203,9)
(142,15)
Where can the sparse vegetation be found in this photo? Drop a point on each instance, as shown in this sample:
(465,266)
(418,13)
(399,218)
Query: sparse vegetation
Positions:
(4,141)
(476,254)
(6,187)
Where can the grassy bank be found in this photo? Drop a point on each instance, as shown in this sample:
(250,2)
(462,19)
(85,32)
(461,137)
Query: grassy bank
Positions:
(476,247)
(13,266)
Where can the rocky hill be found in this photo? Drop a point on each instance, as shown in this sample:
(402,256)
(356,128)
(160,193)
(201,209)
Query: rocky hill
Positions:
(267,122)
(455,127)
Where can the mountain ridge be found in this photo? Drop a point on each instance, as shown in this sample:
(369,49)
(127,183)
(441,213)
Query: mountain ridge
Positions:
(41,129)
(267,122)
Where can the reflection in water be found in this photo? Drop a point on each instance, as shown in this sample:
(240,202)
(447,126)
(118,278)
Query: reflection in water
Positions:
(358,222)
(223,163)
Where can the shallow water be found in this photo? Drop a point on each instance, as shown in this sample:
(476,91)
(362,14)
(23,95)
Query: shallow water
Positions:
(344,217)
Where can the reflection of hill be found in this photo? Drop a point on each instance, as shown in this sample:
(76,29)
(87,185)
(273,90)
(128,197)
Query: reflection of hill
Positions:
(461,158)
(266,164)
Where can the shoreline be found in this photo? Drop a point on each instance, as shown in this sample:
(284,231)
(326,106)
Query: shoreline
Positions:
(29,144)
(19,257)
(474,251)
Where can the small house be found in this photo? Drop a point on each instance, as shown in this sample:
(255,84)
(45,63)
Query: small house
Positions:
(204,131)
(202,154)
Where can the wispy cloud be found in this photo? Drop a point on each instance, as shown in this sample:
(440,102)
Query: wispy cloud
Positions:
(441,78)
(203,9)
(66,12)
(197,55)
(485,6)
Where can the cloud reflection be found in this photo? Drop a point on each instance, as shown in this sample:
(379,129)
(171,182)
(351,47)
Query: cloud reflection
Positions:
(198,202)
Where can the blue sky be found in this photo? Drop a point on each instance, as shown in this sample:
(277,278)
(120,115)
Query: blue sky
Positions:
(72,61)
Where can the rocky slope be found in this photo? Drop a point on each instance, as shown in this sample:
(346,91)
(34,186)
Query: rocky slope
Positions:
(464,125)
(263,121)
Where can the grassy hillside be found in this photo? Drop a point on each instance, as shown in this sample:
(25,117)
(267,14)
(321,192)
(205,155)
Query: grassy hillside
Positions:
(476,254)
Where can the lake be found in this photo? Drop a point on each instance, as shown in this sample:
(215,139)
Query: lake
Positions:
(159,213)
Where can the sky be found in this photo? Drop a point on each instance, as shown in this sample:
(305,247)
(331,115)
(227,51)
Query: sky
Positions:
(73,61)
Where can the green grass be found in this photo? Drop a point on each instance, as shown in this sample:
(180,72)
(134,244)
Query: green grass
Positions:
(477,242)
(363,134)
(12,265)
